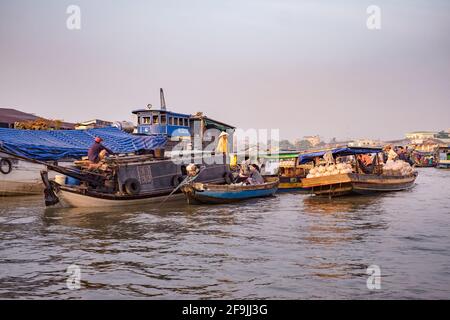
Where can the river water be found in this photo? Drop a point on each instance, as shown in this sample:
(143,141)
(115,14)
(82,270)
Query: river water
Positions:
(291,246)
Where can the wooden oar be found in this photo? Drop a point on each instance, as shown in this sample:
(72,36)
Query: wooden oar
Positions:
(187,180)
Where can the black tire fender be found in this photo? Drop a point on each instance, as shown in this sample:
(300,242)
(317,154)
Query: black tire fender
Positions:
(132,187)
(5,163)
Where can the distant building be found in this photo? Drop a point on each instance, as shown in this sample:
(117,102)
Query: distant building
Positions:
(95,123)
(366,143)
(420,136)
(429,145)
(313,140)
(10,118)
(443,136)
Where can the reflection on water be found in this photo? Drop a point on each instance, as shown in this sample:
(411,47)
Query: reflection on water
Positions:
(289,246)
(340,204)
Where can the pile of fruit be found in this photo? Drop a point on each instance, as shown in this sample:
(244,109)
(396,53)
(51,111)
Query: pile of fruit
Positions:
(329,170)
(397,168)
(287,163)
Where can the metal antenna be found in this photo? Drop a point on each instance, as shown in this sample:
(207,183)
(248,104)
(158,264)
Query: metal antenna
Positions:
(163,100)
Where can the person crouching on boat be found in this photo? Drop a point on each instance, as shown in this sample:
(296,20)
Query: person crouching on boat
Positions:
(255,177)
(97,152)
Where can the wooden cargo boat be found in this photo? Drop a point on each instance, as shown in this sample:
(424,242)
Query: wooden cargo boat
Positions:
(355,183)
(359,181)
(24,153)
(444,158)
(130,180)
(223,193)
(424,159)
(443,164)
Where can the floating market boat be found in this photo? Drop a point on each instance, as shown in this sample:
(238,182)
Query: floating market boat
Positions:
(286,167)
(156,129)
(360,179)
(179,128)
(424,159)
(129,180)
(210,193)
(19,176)
(444,158)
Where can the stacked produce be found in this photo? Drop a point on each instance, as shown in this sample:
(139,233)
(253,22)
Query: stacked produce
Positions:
(397,168)
(287,163)
(329,170)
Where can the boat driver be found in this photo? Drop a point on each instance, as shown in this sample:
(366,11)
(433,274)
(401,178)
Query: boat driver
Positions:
(98,151)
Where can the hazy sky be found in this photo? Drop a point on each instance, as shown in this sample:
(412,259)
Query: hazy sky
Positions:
(306,67)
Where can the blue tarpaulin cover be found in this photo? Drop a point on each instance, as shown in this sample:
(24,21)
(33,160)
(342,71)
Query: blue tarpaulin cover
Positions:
(340,152)
(74,144)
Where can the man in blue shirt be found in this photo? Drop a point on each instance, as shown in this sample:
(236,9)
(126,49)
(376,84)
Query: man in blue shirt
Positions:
(98,151)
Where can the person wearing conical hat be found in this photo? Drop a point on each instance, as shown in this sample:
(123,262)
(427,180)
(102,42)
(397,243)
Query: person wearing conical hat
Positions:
(222,145)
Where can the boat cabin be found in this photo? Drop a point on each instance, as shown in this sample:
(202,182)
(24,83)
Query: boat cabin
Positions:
(162,122)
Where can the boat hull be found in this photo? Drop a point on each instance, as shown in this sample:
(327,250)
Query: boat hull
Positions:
(73,198)
(345,184)
(443,164)
(217,194)
(290,184)
(229,197)
(293,188)
(23,179)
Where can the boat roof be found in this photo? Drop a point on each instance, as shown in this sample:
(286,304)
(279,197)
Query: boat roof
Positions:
(339,152)
(177,114)
(212,123)
(199,116)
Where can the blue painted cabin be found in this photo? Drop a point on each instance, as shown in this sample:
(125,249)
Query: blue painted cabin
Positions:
(162,122)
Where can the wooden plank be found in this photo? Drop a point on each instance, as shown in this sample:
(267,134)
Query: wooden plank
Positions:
(323,181)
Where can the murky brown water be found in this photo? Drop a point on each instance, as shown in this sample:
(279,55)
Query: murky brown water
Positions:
(290,246)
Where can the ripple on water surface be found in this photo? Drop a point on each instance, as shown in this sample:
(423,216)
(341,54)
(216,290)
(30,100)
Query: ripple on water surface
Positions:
(289,246)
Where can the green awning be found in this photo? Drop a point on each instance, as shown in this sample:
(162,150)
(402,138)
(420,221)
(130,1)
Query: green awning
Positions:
(280,156)
(219,126)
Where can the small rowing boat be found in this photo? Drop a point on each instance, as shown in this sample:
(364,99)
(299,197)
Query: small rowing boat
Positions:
(225,193)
